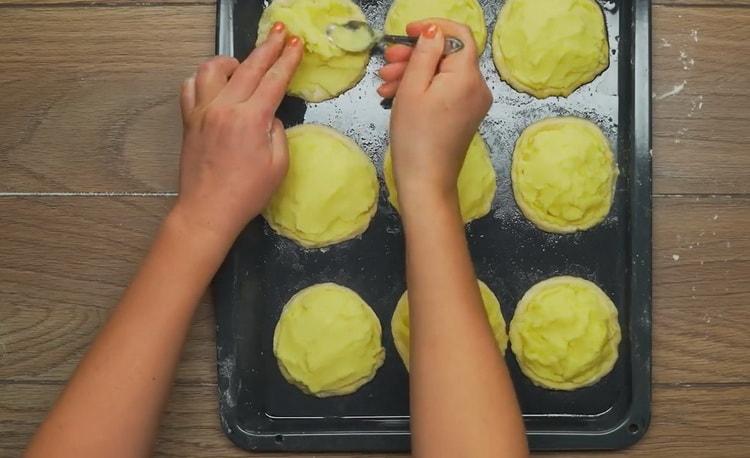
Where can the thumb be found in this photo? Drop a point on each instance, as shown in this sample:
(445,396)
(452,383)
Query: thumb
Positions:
(279,150)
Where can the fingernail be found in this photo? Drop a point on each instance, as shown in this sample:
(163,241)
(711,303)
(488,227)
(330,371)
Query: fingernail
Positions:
(278,27)
(294,41)
(431,31)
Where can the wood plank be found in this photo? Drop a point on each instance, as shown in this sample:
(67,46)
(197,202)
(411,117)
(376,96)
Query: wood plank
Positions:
(72,43)
(101,112)
(67,260)
(701,55)
(100,3)
(150,3)
(112,134)
(110,124)
(685,419)
(65,264)
(701,290)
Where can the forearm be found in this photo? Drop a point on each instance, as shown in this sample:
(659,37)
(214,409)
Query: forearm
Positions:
(462,398)
(111,406)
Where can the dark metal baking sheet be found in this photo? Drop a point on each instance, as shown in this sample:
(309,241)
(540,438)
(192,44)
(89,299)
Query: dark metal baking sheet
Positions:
(259,410)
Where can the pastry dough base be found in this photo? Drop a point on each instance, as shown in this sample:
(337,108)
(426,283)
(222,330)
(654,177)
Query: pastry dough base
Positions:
(328,341)
(572,172)
(325,71)
(476,181)
(539,33)
(330,192)
(469,12)
(565,333)
(400,322)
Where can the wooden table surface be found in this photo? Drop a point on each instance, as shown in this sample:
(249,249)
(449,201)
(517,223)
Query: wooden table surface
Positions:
(89,143)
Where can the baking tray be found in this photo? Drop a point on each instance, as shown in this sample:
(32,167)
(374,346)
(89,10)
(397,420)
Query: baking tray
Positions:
(260,411)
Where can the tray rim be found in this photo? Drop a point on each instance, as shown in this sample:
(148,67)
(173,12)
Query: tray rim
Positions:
(636,422)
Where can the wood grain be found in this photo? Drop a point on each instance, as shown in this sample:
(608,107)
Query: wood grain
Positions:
(699,132)
(685,420)
(88,96)
(101,115)
(101,110)
(65,264)
(145,3)
(74,43)
(67,260)
(110,134)
(28,4)
(701,290)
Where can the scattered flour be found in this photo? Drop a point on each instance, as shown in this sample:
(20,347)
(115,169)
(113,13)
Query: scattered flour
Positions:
(674,91)
(665,43)
(687,61)
(696,104)
(680,133)
(694,35)
(676,257)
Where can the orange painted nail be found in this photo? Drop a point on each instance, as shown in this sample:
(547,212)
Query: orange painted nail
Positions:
(278,27)
(431,31)
(293,41)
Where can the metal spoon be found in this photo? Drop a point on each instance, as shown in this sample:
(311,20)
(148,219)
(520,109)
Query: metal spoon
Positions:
(358,36)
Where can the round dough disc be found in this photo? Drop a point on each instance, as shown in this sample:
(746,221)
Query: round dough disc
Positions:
(563,174)
(330,191)
(328,341)
(400,322)
(476,181)
(565,333)
(550,47)
(325,71)
(468,12)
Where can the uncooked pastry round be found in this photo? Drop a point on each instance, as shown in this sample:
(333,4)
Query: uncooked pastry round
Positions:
(565,333)
(563,174)
(400,322)
(550,47)
(328,341)
(476,181)
(468,12)
(326,70)
(330,191)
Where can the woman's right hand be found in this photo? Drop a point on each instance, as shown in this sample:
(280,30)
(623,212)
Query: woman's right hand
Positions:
(438,105)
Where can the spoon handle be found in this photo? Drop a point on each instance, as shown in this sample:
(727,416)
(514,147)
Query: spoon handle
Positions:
(452,44)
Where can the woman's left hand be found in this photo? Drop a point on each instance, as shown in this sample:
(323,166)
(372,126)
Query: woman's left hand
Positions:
(234,151)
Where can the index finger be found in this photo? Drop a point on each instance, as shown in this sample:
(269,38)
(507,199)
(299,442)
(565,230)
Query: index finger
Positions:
(457,60)
(397,53)
(272,88)
(248,75)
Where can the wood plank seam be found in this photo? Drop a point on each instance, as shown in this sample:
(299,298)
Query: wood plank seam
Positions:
(109,4)
(103,5)
(90,194)
(196,383)
(157,194)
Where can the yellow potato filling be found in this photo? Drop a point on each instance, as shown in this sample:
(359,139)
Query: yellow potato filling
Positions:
(563,173)
(326,70)
(330,191)
(550,47)
(565,333)
(476,181)
(328,341)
